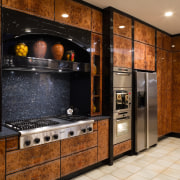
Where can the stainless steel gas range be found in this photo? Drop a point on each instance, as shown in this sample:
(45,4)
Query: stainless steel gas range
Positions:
(34,132)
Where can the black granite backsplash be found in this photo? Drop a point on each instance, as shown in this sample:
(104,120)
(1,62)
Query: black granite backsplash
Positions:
(28,95)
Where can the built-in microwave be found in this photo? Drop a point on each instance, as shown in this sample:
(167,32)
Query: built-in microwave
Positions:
(122,99)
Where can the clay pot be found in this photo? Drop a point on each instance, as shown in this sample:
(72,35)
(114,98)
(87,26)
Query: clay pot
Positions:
(57,51)
(39,49)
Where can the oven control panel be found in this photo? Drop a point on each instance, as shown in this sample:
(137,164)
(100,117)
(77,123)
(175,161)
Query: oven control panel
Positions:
(54,135)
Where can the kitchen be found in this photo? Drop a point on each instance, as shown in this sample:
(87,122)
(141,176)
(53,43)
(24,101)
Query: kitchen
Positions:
(64,110)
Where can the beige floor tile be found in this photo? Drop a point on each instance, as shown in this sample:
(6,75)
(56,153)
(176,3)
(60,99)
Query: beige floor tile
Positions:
(162,162)
(172,172)
(108,177)
(132,168)
(107,169)
(94,174)
(164,177)
(156,168)
(175,166)
(121,173)
(147,173)
(119,164)
(136,177)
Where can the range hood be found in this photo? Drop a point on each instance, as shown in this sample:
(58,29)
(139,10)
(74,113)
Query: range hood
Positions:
(18,63)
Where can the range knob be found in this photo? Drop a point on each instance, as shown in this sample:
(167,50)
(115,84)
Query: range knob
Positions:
(71,133)
(36,140)
(83,130)
(55,136)
(47,138)
(89,128)
(27,142)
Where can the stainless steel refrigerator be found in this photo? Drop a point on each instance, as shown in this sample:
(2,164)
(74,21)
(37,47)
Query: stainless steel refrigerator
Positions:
(145,110)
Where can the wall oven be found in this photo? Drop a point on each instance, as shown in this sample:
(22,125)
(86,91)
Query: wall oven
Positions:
(122,99)
(122,127)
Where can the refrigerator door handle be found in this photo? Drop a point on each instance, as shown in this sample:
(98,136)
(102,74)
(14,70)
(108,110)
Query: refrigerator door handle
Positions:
(147,108)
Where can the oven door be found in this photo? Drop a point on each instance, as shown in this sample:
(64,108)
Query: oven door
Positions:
(122,99)
(122,128)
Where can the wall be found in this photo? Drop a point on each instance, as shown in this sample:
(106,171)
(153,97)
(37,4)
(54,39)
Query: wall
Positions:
(28,95)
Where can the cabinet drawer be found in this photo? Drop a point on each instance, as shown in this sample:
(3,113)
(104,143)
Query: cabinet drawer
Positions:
(76,144)
(12,143)
(22,159)
(2,159)
(122,147)
(47,171)
(78,161)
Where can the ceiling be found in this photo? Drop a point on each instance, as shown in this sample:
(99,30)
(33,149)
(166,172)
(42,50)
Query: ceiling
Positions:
(150,11)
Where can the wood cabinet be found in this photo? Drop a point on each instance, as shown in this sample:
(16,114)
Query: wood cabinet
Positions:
(176,43)
(163,41)
(176,92)
(47,171)
(96,74)
(25,158)
(79,143)
(42,8)
(103,139)
(2,159)
(78,161)
(78,15)
(96,21)
(121,148)
(12,143)
(144,56)
(122,56)
(164,89)
(122,25)
(144,33)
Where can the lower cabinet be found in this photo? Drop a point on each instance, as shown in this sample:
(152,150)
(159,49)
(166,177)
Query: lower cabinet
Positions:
(103,139)
(2,159)
(122,147)
(47,171)
(78,161)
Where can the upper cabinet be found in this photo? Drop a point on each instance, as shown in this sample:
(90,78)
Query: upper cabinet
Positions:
(176,43)
(73,13)
(144,33)
(163,41)
(122,56)
(122,25)
(144,57)
(42,8)
(96,21)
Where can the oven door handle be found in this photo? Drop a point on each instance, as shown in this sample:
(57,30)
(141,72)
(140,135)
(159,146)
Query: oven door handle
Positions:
(119,119)
(122,73)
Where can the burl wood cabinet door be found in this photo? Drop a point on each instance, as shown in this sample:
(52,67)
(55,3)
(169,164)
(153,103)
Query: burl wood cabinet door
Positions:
(122,25)
(78,161)
(78,15)
(47,171)
(163,41)
(139,56)
(96,21)
(176,92)
(2,159)
(150,58)
(144,33)
(103,139)
(16,4)
(122,55)
(43,8)
(176,42)
(159,96)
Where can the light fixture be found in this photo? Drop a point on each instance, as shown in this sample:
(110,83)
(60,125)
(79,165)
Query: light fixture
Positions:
(169,13)
(60,70)
(27,30)
(173,46)
(65,15)
(122,27)
(33,69)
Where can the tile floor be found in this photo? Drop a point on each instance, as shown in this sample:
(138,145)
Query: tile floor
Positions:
(157,163)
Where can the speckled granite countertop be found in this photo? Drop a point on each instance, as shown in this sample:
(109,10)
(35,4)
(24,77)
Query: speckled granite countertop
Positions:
(7,132)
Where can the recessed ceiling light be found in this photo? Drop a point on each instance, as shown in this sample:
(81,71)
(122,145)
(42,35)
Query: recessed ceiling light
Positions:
(65,15)
(169,13)
(121,27)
